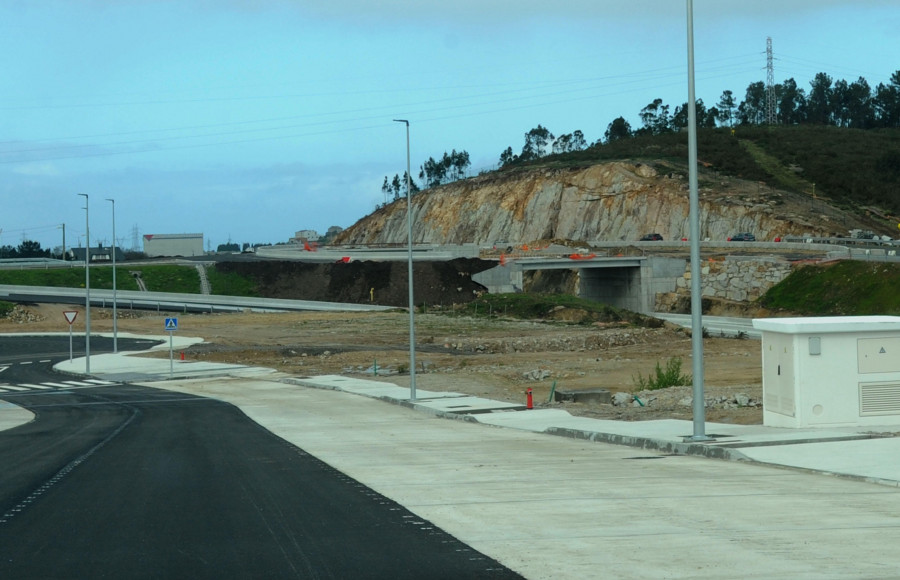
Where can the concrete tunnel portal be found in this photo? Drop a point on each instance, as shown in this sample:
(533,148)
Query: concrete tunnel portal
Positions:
(624,282)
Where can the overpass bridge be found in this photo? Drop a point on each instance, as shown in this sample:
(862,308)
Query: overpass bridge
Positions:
(629,282)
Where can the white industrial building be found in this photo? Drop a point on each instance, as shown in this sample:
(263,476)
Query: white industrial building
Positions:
(305,235)
(156,245)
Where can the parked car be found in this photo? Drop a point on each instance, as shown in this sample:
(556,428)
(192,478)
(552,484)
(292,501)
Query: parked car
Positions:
(651,238)
(742,237)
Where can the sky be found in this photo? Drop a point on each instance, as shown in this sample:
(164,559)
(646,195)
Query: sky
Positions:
(248,120)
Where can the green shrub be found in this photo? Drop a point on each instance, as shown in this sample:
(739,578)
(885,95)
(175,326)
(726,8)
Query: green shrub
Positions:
(670,377)
(844,288)
(6,308)
(226,283)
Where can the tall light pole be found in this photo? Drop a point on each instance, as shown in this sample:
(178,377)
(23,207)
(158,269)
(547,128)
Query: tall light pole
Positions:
(412,316)
(115,318)
(87,286)
(699,403)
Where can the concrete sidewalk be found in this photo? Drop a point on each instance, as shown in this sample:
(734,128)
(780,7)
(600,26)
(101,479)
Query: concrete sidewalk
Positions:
(850,452)
(854,452)
(567,508)
(574,506)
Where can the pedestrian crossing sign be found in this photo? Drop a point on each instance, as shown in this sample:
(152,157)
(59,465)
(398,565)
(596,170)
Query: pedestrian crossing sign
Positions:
(171,324)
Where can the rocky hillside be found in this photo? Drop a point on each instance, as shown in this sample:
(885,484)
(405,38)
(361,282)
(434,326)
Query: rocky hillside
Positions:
(609,201)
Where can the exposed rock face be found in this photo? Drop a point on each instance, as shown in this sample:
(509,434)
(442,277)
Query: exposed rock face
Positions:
(609,201)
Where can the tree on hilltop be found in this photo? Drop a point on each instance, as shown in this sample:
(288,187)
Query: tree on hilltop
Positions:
(397,186)
(536,142)
(655,118)
(508,157)
(618,129)
(706,118)
(449,168)
(570,142)
(726,107)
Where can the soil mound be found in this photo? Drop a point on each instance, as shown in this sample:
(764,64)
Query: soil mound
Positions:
(365,282)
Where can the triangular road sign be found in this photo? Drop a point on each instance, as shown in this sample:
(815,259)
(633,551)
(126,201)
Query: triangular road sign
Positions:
(70,315)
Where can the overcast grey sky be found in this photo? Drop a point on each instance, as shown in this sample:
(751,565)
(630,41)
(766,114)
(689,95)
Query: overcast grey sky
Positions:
(249,120)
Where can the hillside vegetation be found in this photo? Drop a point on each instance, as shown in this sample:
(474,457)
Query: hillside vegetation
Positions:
(844,288)
(182,279)
(850,167)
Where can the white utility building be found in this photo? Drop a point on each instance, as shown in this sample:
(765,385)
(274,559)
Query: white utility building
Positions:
(830,371)
(156,245)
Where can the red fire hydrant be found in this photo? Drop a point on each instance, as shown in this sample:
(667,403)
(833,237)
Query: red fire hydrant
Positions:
(529,399)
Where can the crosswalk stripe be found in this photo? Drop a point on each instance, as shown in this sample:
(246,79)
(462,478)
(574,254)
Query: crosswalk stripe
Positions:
(50,386)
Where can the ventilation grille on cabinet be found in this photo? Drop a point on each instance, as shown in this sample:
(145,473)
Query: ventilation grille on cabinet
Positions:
(879,399)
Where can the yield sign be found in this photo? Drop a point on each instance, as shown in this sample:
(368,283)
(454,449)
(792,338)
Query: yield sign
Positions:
(70,315)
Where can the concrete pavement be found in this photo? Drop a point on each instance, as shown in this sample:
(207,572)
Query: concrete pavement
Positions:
(653,506)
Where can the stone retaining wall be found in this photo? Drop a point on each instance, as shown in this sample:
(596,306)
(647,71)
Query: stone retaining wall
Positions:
(733,278)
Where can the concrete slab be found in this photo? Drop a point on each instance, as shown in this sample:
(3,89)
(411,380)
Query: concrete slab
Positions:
(564,508)
(368,388)
(13,415)
(466,405)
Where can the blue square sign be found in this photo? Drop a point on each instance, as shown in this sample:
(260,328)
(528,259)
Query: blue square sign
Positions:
(171,324)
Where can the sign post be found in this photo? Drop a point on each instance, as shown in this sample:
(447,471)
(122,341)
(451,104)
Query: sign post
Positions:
(171,327)
(70,318)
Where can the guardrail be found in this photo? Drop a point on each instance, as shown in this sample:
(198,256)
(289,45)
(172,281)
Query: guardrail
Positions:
(175,302)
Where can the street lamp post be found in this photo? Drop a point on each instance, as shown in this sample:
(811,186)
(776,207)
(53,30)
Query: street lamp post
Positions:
(699,402)
(412,322)
(115,317)
(63,226)
(87,286)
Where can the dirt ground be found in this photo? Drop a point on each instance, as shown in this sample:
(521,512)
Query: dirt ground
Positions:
(497,359)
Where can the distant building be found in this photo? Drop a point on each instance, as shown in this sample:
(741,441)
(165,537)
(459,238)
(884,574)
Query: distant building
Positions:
(305,235)
(156,245)
(98,254)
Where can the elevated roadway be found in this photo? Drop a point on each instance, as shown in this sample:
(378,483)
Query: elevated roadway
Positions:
(172,301)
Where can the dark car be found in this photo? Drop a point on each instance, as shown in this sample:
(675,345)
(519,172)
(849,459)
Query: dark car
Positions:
(651,238)
(743,237)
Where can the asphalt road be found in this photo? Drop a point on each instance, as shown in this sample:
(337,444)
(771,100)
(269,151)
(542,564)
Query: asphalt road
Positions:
(125,481)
